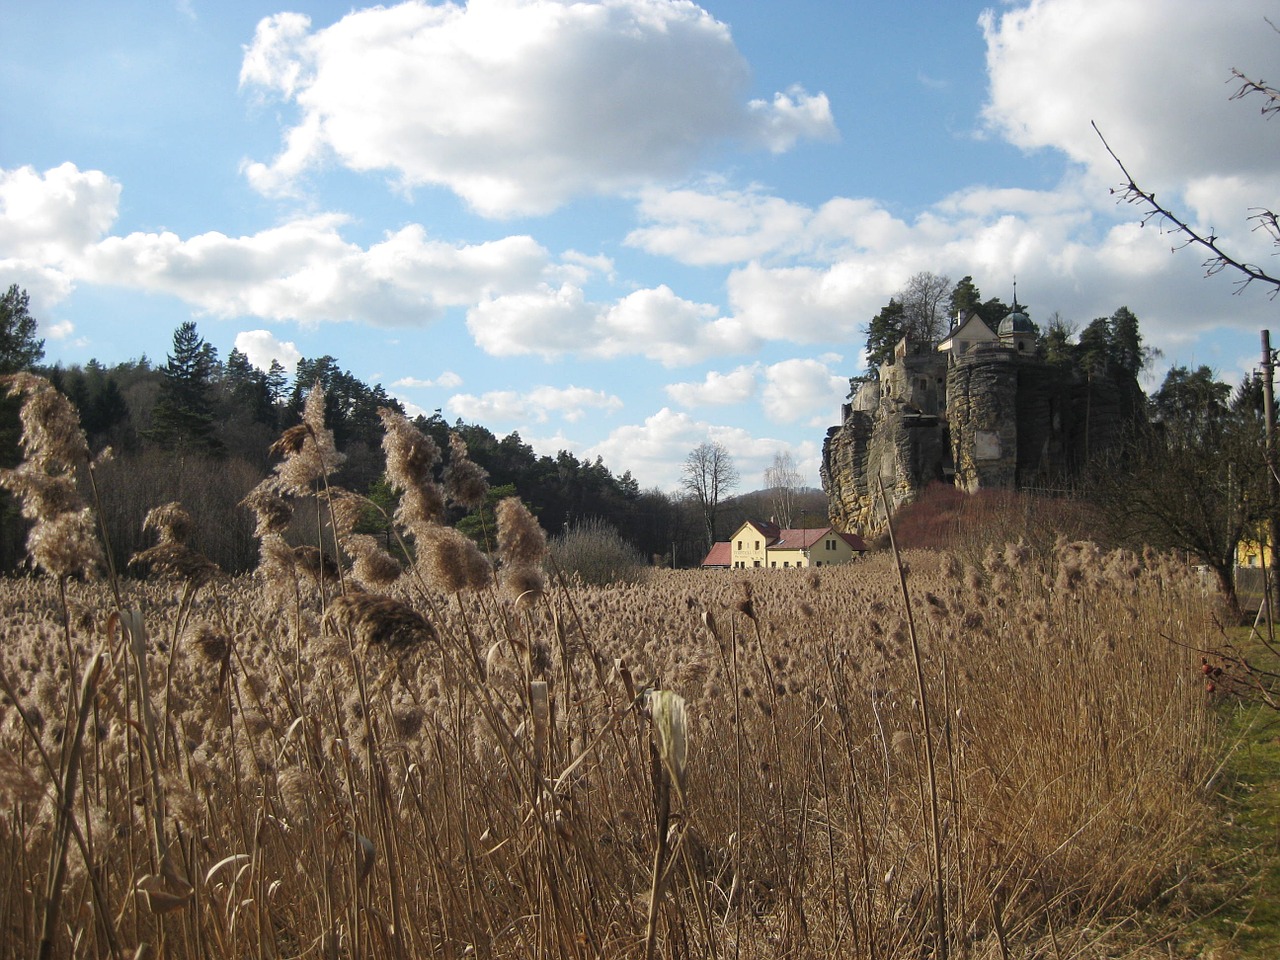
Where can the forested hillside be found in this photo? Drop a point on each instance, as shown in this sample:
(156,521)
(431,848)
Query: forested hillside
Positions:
(198,428)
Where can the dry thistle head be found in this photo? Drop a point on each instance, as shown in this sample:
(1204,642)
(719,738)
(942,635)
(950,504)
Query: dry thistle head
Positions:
(290,442)
(63,540)
(213,646)
(521,540)
(1017,556)
(348,509)
(275,557)
(451,561)
(523,584)
(467,483)
(420,507)
(313,563)
(43,495)
(176,560)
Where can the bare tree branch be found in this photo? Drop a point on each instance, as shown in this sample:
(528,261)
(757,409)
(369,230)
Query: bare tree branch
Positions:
(1248,86)
(1166,219)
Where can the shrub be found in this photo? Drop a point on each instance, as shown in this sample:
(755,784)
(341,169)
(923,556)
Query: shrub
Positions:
(596,553)
(946,518)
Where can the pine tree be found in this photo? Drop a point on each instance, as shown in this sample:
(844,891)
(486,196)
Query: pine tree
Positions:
(19,348)
(277,382)
(1093,350)
(183,417)
(965,299)
(1126,350)
(247,390)
(993,311)
(883,332)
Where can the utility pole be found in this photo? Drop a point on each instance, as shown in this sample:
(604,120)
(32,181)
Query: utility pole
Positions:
(1273,482)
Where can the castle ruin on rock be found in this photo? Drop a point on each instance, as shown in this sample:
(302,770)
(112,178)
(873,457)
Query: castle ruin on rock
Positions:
(980,409)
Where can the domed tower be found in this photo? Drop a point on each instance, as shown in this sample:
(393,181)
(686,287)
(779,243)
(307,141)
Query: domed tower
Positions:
(1017,331)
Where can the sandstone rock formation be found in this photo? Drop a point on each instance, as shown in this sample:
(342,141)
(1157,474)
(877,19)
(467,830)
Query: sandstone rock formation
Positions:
(994,415)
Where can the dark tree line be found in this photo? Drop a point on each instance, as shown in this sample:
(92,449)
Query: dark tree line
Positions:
(198,428)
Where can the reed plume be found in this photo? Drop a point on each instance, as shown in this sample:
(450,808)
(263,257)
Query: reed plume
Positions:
(466,482)
(63,538)
(309,451)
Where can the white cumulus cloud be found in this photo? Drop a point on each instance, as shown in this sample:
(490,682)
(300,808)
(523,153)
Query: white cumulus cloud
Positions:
(62,330)
(516,105)
(789,391)
(263,346)
(653,323)
(656,448)
(718,389)
(448,380)
(50,217)
(537,405)
(305,271)
(1056,66)
(803,390)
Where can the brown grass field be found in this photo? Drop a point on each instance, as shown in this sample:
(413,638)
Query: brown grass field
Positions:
(358,760)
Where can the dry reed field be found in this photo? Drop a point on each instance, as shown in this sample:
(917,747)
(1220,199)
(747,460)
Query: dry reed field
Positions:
(341,756)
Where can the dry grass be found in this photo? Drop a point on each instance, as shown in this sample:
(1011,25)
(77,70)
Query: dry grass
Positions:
(445,769)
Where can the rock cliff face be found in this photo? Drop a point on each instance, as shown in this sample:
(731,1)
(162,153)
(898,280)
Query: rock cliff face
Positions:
(992,417)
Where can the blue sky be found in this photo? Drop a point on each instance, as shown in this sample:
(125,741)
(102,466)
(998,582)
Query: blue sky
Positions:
(621,228)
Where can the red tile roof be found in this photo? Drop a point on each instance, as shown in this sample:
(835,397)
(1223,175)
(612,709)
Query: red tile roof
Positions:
(799,538)
(803,539)
(855,541)
(721,555)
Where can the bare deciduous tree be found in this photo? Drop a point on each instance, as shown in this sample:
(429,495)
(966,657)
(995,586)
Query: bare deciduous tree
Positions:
(708,474)
(925,301)
(783,481)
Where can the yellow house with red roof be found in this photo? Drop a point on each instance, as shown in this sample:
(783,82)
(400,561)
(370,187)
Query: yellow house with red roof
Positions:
(759,544)
(1253,553)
